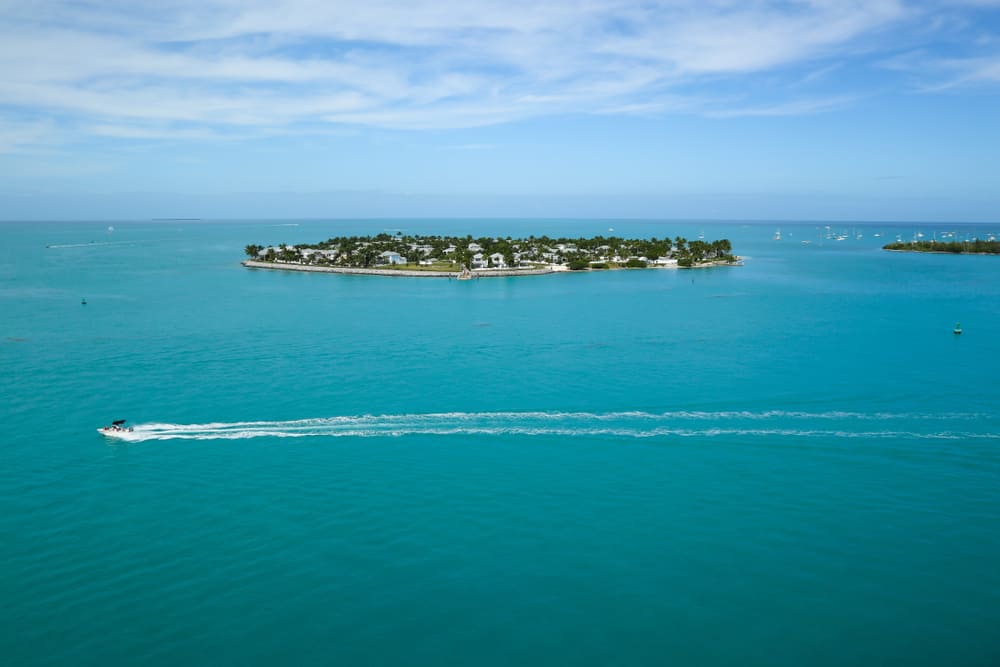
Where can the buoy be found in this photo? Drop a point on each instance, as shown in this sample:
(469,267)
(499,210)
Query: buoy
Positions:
(83,302)
(958,328)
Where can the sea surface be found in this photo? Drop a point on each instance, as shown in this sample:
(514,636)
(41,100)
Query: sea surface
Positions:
(792,462)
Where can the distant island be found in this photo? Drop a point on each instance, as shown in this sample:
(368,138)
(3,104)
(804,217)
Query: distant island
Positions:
(973,247)
(466,257)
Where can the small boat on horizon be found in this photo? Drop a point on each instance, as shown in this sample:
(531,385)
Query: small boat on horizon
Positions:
(958,329)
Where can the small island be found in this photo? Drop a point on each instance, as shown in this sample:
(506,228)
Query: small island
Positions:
(973,247)
(466,257)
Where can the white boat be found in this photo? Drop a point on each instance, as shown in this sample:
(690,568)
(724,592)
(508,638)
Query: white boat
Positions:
(777,235)
(117,429)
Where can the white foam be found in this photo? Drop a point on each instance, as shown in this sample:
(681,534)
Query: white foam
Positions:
(89,245)
(632,424)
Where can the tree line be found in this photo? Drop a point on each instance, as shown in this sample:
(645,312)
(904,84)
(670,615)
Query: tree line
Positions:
(578,253)
(976,246)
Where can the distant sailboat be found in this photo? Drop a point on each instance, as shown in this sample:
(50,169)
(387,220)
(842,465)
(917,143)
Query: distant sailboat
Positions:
(777,235)
(958,328)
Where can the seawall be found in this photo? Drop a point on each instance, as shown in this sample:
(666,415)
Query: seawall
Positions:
(489,273)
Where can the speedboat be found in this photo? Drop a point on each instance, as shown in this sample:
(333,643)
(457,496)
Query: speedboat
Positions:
(117,429)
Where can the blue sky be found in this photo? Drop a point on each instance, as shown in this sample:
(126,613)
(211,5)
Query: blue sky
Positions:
(822,110)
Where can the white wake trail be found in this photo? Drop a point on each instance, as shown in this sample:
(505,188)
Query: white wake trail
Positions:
(631,424)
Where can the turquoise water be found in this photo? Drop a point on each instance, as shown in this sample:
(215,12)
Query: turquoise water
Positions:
(791,462)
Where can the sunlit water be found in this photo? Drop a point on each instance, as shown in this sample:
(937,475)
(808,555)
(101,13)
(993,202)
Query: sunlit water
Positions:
(790,462)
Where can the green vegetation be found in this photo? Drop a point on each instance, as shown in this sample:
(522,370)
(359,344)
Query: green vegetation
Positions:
(975,246)
(452,253)
(698,252)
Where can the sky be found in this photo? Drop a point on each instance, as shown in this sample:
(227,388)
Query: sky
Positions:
(707,109)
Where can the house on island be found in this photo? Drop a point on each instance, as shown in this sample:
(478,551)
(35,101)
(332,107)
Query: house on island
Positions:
(425,250)
(313,255)
(390,257)
(479,261)
(497,261)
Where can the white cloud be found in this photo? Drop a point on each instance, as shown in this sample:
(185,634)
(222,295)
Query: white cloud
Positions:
(931,73)
(193,67)
(791,108)
(18,135)
(753,36)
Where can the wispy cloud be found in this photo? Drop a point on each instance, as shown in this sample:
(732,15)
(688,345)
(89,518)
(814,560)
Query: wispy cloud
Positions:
(186,69)
(932,73)
(962,72)
(19,136)
(791,108)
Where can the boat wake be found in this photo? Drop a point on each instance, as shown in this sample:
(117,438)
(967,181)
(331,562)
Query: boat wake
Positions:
(774,424)
(92,244)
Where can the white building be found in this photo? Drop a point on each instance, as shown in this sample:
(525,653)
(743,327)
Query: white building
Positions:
(390,257)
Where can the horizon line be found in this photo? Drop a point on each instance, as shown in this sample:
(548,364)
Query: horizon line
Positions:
(638,219)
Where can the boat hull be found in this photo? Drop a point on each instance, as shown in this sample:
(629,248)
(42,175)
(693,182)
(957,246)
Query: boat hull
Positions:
(112,433)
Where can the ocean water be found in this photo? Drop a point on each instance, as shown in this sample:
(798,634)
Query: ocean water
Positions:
(790,462)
